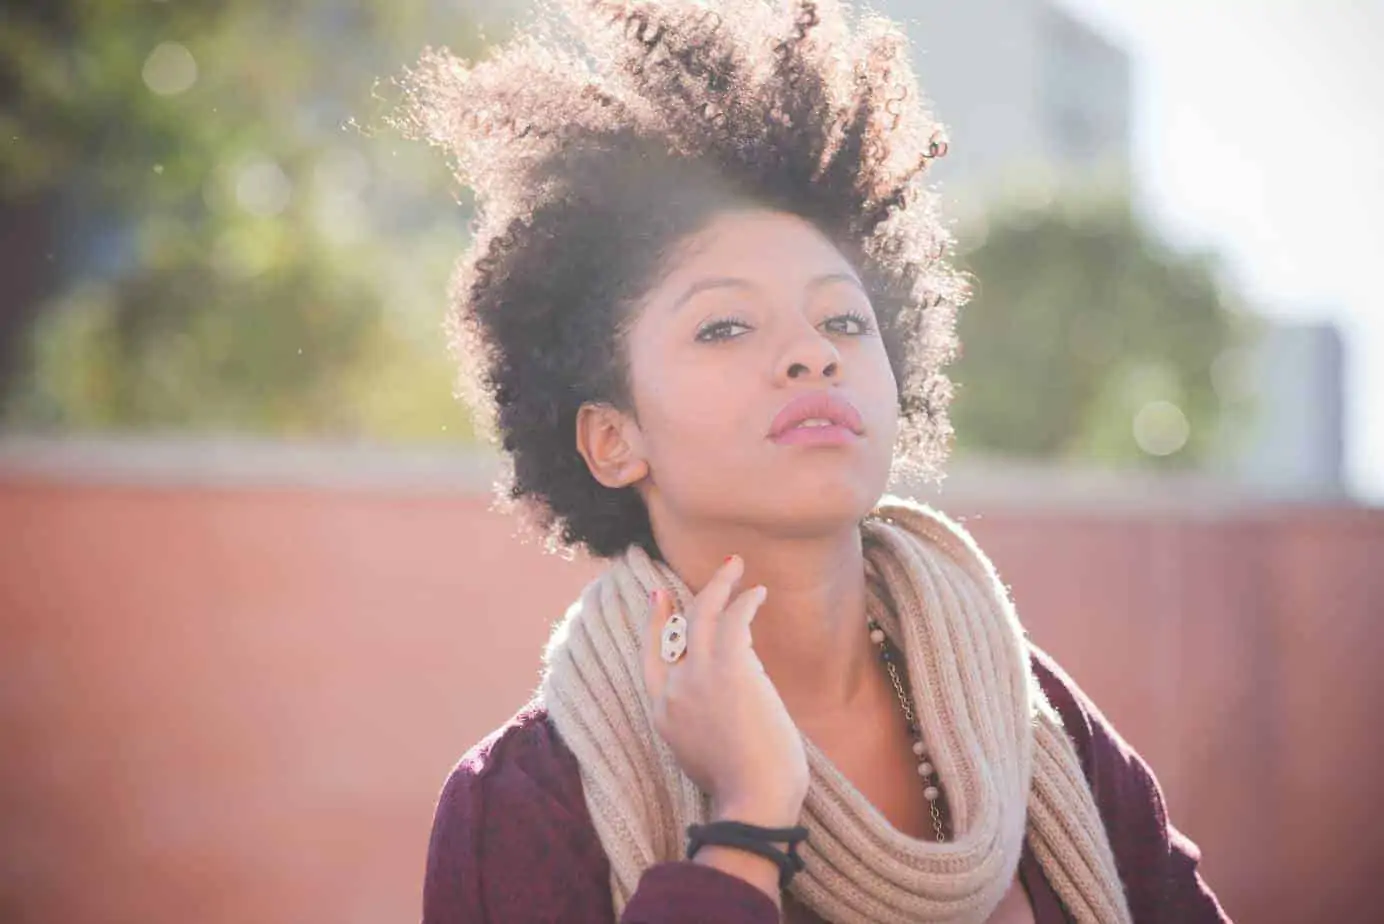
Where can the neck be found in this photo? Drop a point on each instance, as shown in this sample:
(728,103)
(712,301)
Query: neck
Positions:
(810,632)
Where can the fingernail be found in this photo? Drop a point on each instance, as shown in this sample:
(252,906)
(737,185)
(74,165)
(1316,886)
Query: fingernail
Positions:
(763,593)
(729,559)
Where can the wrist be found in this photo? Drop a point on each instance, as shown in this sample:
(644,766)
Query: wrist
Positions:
(761,813)
(760,872)
(749,851)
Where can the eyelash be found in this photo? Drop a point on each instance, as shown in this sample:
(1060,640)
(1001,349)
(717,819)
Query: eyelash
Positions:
(708,332)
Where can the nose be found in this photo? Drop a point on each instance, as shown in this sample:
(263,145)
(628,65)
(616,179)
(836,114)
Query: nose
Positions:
(807,356)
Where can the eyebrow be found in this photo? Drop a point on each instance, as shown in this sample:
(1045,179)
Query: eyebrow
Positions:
(735,282)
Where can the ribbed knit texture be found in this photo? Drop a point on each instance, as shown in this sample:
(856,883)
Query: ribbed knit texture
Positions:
(1004,760)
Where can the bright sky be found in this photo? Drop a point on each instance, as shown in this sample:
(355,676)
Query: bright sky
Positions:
(1260,131)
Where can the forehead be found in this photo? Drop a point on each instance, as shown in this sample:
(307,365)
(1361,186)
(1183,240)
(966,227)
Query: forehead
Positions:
(754,244)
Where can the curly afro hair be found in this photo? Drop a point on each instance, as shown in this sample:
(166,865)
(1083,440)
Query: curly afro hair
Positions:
(609,132)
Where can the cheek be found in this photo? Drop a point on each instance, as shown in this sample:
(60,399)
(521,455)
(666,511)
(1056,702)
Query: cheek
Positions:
(693,413)
(684,408)
(878,384)
(699,452)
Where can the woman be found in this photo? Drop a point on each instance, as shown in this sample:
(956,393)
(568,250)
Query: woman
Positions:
(709,306)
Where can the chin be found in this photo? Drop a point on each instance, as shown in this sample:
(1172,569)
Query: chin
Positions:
(825,501)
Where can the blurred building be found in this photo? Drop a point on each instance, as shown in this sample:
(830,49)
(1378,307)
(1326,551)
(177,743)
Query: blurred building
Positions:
(1295,447)
(1034,98)
(1026,89)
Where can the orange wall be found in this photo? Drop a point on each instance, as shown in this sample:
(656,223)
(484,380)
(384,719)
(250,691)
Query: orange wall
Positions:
(230,705)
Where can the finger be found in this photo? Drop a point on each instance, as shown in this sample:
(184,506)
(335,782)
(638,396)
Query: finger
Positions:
(707,605)
(734,625)
(655,668)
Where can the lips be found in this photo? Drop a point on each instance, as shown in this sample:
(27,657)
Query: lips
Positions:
(816,412)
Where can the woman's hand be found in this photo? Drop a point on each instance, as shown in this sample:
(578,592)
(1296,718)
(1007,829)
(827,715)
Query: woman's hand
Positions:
(719,712)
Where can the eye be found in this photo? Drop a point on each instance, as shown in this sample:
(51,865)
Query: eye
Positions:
(721,329)
(850,323)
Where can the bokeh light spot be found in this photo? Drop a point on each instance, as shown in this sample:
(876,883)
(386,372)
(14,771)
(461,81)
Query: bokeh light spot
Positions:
(1161,429)
(263,189)
(170,69)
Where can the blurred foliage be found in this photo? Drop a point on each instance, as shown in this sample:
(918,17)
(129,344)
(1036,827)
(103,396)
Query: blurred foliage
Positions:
(243,257)
(1088,339)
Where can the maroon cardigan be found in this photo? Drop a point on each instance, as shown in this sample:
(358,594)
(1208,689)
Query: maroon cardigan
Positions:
(512,841)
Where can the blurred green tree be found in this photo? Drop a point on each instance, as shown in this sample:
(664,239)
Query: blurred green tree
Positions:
(234,254)
(230,254)
(1089,339)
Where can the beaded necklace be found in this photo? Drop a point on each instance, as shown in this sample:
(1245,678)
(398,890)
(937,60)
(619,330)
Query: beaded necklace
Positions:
(932,791)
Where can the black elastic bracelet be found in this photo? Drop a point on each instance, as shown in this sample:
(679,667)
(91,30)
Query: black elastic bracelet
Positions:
(753,839)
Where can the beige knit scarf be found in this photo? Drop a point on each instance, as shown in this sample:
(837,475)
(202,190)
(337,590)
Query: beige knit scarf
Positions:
(1006,765)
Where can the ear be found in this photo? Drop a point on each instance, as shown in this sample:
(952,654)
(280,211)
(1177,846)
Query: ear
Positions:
(610,442)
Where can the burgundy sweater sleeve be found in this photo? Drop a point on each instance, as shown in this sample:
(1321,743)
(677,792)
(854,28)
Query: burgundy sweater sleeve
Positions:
(512,842)
(1157,863)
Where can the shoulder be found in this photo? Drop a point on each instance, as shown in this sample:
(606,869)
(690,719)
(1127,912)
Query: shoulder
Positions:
(1157,863)
(511,830)
(523,756)
(1099,744)
(1124,787)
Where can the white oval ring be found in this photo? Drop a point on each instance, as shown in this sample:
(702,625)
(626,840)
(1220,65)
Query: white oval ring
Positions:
(674,638)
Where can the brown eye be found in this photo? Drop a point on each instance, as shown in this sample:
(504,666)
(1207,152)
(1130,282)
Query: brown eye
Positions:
(723,329)
(850,324)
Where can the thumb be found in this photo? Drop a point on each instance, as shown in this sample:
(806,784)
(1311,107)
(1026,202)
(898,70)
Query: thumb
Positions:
(655,668)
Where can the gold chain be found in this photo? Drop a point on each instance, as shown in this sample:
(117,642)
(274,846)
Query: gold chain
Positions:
(898,688)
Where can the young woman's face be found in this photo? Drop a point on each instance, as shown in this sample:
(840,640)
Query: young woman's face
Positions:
(763,394)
